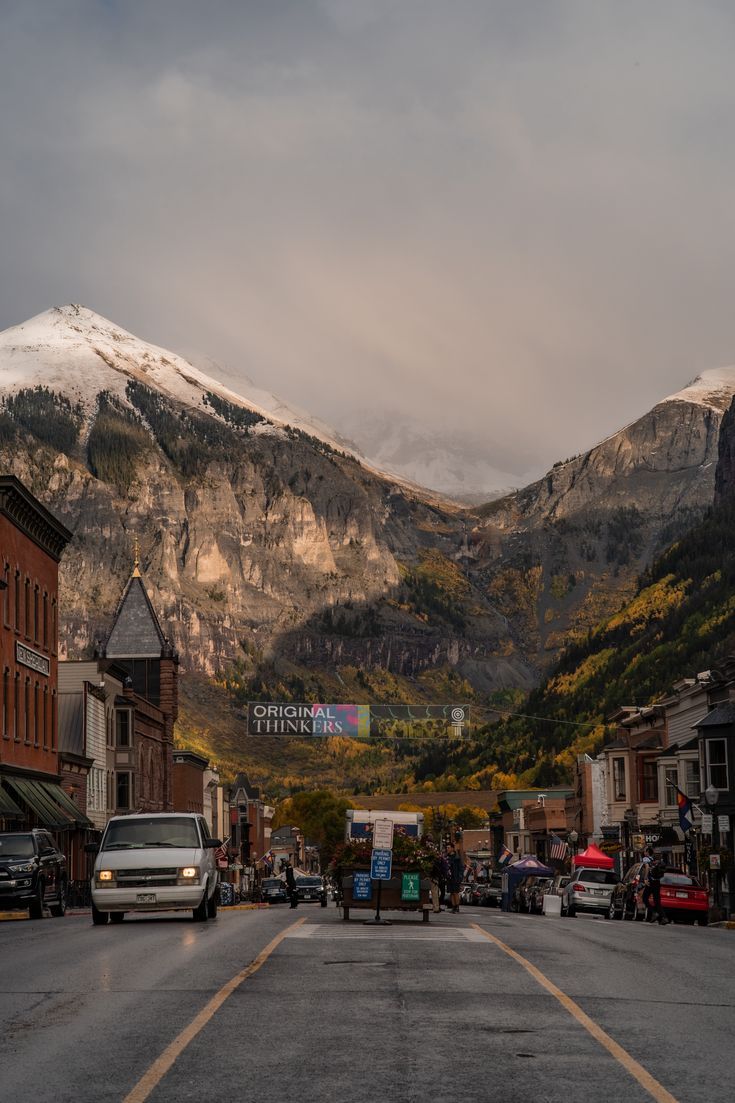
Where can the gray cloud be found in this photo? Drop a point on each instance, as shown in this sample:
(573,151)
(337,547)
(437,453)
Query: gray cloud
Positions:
(510,219)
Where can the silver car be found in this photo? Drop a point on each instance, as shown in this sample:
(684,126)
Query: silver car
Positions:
(589,890)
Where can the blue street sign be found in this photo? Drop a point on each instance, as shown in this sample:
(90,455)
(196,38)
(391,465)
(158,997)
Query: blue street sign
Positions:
(362,886)
(380,865)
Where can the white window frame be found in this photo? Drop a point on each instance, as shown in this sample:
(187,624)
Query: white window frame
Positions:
(718,739)
(672,768)
(615,797)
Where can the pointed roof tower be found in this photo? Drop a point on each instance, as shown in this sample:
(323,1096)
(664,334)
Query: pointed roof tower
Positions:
(136,632)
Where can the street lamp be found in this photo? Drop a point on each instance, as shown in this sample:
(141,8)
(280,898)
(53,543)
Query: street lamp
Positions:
(712,795)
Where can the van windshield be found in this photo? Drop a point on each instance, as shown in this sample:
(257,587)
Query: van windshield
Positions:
(597,876)
(140,832)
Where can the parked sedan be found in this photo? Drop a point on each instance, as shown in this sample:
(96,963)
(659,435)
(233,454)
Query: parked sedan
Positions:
(493,893)
(273,891)
(537,892)
(311,890)
(682,897)
(589,890)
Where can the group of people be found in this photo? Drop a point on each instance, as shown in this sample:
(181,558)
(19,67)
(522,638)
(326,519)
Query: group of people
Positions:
(446,878)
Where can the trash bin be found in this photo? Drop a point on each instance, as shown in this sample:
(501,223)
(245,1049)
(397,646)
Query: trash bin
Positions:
(552,904)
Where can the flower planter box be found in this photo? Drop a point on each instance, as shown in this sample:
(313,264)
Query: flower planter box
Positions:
(390,895)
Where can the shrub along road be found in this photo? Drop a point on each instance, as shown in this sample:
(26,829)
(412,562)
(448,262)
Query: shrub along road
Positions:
(283,1005)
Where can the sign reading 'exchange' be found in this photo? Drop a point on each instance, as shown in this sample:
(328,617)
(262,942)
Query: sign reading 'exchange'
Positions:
(28,657)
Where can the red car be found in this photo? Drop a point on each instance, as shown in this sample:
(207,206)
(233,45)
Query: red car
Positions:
(682,897)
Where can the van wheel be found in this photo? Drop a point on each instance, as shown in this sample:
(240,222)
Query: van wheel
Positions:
(212,905)
(117,917)
(201,912)
(99,918)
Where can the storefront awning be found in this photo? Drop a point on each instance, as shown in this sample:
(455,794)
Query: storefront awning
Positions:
(8,807)
(57,794)
(48,802)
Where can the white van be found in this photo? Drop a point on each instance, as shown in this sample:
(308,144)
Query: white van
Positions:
(153,862)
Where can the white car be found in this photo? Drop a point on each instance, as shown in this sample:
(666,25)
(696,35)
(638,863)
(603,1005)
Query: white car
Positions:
(588,890)
(155,862)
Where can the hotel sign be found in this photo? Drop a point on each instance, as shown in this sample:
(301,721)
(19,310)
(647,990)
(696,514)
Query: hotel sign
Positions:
(28,657)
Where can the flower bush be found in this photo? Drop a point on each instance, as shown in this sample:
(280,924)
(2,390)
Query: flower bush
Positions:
(409,855)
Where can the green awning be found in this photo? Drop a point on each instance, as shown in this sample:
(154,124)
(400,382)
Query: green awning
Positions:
(8,807)
(30,793)
(57,794)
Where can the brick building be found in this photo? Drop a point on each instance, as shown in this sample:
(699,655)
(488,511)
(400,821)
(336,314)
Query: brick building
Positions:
(32,541)
(189,782)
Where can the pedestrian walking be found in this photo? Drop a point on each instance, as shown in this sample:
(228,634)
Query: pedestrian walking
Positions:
(656,870)
(454,881)
(291,886)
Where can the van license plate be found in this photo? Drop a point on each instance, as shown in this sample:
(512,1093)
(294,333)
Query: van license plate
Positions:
(145,898)
(682,895)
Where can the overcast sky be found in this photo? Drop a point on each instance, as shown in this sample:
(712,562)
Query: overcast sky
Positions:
(514,219)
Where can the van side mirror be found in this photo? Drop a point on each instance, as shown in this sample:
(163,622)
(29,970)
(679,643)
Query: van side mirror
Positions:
(212,844)
(91,848)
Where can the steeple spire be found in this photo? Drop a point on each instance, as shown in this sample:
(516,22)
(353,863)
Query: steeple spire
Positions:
(136,561)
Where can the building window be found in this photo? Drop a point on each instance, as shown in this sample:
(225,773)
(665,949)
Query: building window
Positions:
(36,614)
(619,790)
(6,596)
(649,780)
(671,784)
(27,609)
(45,718)
(36,712)
(16,708)
(692,787)
(17,601)
(122,727)
(27,716)
(54,719)
(717,763)
(6,703)
(124,790)
(45,620)
(54,639)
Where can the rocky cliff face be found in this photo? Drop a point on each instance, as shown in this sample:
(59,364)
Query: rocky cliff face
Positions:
(570,546)
(725,474)
(255,537)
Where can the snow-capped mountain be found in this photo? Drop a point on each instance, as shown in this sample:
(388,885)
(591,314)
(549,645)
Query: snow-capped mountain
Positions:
(105,357)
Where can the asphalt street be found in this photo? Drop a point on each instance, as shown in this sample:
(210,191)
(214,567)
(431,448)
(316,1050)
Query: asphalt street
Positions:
(342,1011)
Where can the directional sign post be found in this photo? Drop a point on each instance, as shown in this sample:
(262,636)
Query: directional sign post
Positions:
(381,866)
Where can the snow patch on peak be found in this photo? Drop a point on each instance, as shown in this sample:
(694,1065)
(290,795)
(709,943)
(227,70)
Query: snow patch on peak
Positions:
(714,388)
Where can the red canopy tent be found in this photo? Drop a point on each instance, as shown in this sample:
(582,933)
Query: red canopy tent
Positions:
(592,858)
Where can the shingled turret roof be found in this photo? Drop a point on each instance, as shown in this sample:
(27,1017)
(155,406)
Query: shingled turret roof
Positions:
(136,632)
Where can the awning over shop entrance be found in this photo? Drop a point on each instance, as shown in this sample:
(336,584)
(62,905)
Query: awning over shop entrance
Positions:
(48,802)
(8,807)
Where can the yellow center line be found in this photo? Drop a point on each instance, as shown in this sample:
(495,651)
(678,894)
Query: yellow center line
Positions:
(162,1064)
(629,1063)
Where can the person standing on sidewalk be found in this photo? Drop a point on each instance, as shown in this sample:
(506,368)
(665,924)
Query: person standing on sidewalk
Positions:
(291,886)
(456,869)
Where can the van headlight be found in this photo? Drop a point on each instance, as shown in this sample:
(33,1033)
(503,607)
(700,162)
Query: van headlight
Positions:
(27,867)
(105,876)
(189,875)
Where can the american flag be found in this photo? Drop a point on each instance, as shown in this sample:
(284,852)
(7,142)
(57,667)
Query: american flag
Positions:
(558,849)
(221,851)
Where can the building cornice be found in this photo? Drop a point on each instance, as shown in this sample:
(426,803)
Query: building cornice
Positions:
(33,519)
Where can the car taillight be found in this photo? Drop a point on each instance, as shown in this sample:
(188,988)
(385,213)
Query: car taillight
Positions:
(578,888)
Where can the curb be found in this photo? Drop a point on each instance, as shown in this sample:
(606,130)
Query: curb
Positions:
(725,925)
